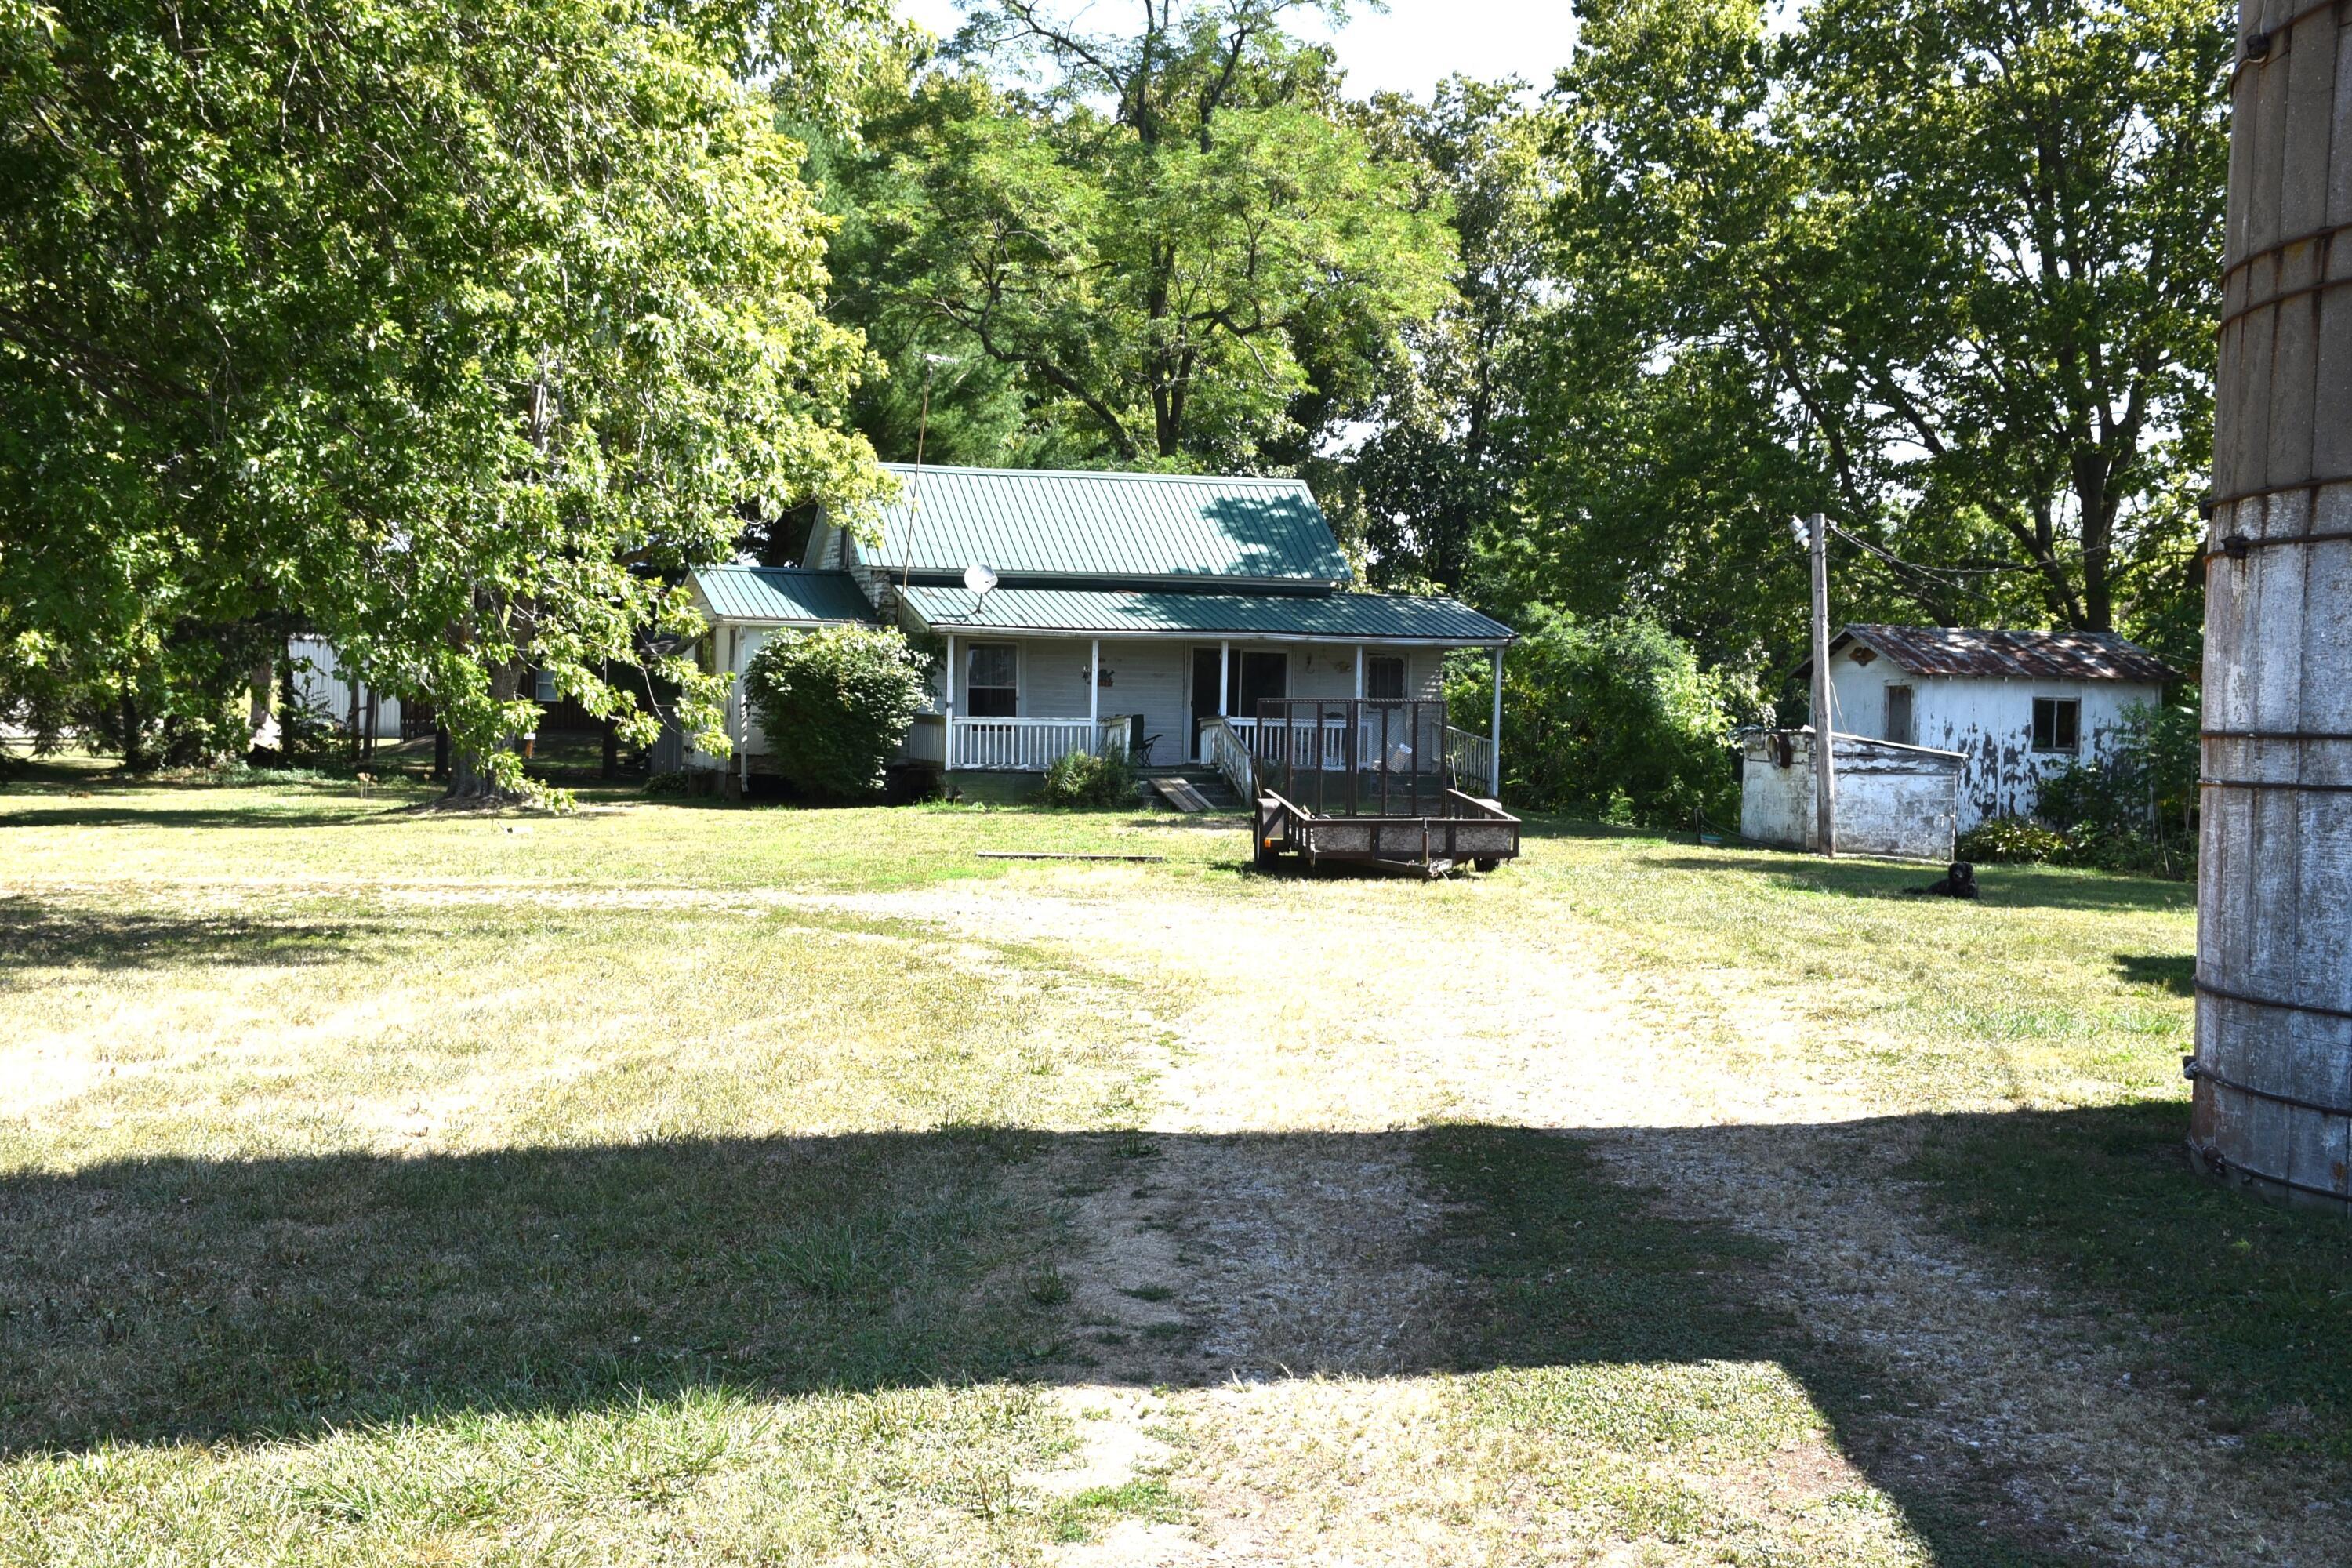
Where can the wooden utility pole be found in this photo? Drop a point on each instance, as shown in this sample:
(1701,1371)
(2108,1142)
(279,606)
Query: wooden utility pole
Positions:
(1824,765)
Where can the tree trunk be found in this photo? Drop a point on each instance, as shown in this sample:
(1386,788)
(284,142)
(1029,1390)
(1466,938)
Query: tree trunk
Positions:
(2092,476)
(135,759)
(265,676)
(289,705)
(470,779)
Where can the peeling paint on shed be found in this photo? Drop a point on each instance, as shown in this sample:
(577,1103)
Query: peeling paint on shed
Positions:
(1893,800)
(1973,691)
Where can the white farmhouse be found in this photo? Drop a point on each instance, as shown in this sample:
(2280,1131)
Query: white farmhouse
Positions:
(2016,706)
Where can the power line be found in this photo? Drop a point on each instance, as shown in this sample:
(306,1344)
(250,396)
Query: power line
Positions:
(1951,573)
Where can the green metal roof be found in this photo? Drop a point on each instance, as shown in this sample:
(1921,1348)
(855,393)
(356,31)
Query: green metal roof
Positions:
(1372,616)
(789,593)
(1025,522)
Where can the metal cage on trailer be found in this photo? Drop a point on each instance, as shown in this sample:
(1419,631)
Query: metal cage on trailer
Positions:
(1367,780)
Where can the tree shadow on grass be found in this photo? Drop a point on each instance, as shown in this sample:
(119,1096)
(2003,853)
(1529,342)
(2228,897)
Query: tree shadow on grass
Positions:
(384,810)
(46,934)
(234,1299)
(2003,887)
(2173,973)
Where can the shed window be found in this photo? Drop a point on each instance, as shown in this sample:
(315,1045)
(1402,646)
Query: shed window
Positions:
(544,685)
(993,681)
(1899,727)
(2057,724)
(1384,678)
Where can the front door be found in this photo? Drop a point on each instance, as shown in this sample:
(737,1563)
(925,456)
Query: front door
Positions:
(1250,674)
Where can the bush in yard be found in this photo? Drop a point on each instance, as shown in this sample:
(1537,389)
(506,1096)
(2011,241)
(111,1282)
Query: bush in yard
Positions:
(836,703)
(1610,719)
(1080,778)
(2111,814)
(2013,840)
(2132,810)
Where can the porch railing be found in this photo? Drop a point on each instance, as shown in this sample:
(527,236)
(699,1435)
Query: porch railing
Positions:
(1029,745)
(1470,759)
(1320,746)
(1228,751)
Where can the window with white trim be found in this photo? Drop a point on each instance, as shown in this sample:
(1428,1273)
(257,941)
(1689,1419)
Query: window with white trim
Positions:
(992,684)
(1384,678)
(544,685)
(2057,724)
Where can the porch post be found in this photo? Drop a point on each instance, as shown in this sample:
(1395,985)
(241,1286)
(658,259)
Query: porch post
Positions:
(1495,735)
(1094,696)
(1360,672)
(947,735)
(744,717)
(1225,659)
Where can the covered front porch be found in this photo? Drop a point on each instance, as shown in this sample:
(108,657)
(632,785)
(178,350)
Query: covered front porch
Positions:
(1017,704)
(1179,678)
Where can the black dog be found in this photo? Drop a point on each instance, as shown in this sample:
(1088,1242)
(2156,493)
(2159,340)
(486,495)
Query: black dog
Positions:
(1960,882)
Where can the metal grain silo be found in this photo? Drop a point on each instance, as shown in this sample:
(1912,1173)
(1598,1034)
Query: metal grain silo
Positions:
(2274,1063)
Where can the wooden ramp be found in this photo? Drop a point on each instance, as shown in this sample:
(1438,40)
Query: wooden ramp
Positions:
(1180,794)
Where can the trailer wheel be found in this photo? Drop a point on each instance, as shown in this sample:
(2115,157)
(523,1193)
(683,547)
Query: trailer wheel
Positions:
(1487,863)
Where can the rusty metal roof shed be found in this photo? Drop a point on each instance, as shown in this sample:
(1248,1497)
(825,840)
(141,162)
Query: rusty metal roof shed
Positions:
(2007,654)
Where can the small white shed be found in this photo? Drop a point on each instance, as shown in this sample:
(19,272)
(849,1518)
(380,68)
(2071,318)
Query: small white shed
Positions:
(1894,799)
(2015,705)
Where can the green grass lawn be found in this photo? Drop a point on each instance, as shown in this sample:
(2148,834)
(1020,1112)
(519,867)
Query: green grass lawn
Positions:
(665,1182)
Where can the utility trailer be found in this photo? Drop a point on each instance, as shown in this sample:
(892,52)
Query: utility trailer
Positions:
(1372,782)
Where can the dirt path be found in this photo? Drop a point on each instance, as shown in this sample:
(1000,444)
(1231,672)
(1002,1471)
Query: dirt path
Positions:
(1276,1202)
(1256,1319)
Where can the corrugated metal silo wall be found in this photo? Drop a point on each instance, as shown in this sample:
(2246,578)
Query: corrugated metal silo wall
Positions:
(2274,1068)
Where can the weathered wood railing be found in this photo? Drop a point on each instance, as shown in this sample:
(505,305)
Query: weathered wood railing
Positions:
(1029,745)
(1470,761)
(1227,750)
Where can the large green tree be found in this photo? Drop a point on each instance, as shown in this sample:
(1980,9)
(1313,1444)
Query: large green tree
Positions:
(1447,450)
(1171,237)
(1943,268)
(456,328)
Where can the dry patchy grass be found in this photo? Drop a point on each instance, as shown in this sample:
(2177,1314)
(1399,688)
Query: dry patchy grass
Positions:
(678,1181)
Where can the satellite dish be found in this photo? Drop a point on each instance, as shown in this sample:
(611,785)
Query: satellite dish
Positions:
(980,580)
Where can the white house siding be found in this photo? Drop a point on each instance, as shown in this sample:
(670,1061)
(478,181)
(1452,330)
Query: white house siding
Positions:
(1328,669)
(1988,720)
(735,647)
(1898,801)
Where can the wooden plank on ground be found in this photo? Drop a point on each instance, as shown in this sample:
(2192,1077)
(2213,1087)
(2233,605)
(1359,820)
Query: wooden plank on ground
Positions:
(1061,854)
(1180,794)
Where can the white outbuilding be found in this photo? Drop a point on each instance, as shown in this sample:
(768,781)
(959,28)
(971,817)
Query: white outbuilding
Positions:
(1893,800)
(2016,706)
